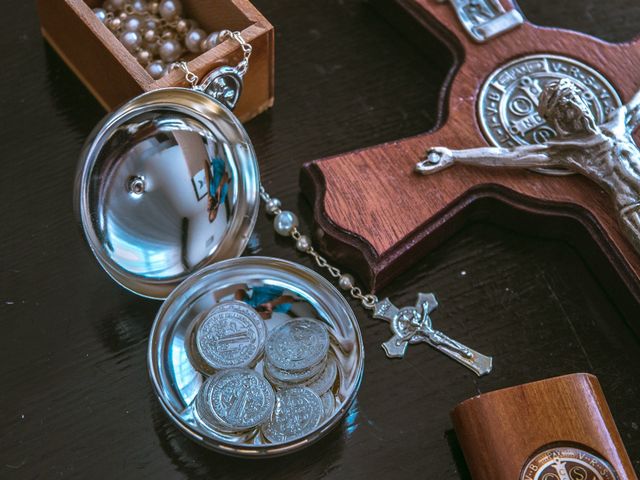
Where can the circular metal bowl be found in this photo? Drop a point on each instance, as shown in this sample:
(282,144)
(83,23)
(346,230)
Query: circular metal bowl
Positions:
(256,281)
(167,184)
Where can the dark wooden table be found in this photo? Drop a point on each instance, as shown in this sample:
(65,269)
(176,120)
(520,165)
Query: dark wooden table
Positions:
(75,400)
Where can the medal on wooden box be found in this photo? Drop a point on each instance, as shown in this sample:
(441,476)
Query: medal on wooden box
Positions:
(251,356)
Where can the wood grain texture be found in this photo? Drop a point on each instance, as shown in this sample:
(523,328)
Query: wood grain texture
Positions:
(500,431)
(401,214)
(113,75)
(76,401)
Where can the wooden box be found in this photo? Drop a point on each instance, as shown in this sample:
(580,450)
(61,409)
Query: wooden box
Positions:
(113,75)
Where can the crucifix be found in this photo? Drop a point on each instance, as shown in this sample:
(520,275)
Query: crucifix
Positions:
(492,99)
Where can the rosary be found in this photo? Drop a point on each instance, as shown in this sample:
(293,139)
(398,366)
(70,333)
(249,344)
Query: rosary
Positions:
(154,32)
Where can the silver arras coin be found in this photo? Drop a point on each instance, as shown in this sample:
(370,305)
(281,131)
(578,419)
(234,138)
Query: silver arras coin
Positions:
(297,345)
(326,378)
(508,101)
(231,336)
(235,400)
(298,411)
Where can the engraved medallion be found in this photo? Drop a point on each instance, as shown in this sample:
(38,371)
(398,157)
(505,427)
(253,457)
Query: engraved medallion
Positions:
(235,400)
(567,463)
(297,345)
(325,379)
(508,101)
(298,411)
(231,336)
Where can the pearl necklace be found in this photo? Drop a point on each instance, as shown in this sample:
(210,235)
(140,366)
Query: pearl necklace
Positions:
(154,32)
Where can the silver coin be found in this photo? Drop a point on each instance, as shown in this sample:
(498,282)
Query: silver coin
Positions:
(231,336)
(284,378)
(235,400)
(328,403)
(297,345)
(298,411)
(325,379)
(508,101)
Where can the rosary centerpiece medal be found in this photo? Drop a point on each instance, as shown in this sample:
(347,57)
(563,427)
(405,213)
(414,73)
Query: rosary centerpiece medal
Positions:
(167,193)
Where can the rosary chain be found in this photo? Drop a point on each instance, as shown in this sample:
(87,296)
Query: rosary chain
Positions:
(241,68)
(303,244)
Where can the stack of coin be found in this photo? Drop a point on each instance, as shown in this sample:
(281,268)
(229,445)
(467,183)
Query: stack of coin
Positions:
(296,352)
(229,341)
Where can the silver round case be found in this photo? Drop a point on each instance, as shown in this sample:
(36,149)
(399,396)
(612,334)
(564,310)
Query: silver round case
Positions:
(167,184)
(252,280)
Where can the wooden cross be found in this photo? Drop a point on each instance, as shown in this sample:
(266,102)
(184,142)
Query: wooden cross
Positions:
(378,215)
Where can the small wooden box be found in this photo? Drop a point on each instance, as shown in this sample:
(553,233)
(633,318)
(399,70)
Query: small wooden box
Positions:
(113,75)
(500,431)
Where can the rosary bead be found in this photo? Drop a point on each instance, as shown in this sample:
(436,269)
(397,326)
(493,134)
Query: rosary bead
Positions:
(303,243)
(150,36)
(211,41)
(131,40)
(153,8)
(156,69)
(114,24)
(193,39)
(170,9)
(346,281)
(138,6)
(170,50)
(143,57)
(285,222)
(101,13)
(150,24)
(132,24)
(273,205)
(182,26)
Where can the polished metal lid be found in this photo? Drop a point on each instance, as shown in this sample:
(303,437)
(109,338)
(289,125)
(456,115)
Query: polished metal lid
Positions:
(167,184)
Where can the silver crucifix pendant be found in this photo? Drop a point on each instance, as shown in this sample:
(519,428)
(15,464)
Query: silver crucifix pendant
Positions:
(412,325)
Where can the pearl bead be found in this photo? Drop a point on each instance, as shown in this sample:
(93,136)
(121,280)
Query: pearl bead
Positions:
(123,16)
(303,243)
(143,57)
(132,24)
(273,205)
(101,13)
(168,35)
(170,9)
(345,282)
(211,41)
(138,6)
(150,24)
(150,36)
(114,24)
(193,39)
(131,40)
(170,50)
(182,26)
(285,222)
(156,69)
(153,7)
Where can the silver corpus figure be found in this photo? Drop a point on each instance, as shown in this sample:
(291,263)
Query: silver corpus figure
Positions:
(606,153)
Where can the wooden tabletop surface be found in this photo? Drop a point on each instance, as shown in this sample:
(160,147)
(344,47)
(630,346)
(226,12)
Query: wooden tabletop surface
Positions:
(75,399)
